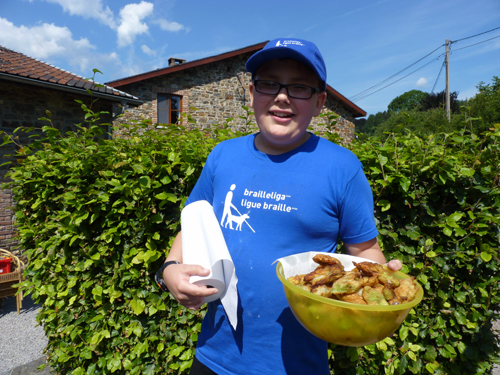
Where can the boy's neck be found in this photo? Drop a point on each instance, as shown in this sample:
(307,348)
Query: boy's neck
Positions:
(272,149)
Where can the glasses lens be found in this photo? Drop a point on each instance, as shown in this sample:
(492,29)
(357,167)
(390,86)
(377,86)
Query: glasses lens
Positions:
(294,91)
(267,87)
(299,91)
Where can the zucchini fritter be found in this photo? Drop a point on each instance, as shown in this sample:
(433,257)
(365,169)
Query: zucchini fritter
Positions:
(367,284)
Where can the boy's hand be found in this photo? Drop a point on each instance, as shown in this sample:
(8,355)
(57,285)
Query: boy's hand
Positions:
(394,265)
(176,277)
(371,250)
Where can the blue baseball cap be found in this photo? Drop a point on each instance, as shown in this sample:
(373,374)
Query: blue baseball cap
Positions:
(289,48)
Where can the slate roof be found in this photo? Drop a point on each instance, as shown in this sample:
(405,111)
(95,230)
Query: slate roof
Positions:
(18,67)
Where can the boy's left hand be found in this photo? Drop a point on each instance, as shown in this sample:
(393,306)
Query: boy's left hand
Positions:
(394,265)
(371,250)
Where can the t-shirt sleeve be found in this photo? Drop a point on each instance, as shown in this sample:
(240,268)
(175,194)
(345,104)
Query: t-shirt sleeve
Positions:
(357,221)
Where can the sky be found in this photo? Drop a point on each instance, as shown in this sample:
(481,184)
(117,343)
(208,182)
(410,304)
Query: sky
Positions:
(364,43)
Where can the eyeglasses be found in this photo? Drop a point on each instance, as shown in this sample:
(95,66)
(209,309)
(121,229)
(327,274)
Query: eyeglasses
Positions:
(293,90)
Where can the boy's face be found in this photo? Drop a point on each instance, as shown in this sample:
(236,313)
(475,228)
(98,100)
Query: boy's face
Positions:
(283,120)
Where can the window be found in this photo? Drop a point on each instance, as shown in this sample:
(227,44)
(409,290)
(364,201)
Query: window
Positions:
(169,109)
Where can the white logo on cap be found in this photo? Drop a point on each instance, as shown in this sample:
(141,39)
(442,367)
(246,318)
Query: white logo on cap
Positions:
(287,42)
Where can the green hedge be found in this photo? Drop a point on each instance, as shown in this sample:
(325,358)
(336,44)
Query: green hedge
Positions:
(96,216)
(438,210)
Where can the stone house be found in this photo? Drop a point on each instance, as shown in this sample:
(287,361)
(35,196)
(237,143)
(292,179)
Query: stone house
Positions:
(212,90)
(30,87)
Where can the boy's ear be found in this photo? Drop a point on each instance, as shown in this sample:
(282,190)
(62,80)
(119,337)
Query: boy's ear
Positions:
(319,103)
(250,89)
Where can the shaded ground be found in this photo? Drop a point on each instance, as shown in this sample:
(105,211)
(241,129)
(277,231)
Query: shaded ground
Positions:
(29,368)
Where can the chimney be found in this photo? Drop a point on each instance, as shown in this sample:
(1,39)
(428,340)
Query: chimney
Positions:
(174,61)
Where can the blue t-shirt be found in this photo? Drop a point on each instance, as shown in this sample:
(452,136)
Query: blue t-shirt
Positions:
(272,206)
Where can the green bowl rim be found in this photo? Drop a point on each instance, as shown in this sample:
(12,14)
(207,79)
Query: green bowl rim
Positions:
(348,305)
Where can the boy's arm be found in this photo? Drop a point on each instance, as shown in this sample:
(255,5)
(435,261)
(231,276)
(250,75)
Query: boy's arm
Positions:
(176,277)
(371,250)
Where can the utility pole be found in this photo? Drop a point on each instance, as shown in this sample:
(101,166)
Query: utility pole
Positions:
(447,60)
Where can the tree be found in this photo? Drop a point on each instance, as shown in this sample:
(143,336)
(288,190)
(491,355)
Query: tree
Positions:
(486,104)
(407,101)
(373,122)
(438,100)
(421,123)
(428,116)
(359,125)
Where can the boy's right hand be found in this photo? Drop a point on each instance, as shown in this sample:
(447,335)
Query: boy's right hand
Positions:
(176,277)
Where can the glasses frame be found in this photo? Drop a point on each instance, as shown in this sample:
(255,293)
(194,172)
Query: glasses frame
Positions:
(314,90)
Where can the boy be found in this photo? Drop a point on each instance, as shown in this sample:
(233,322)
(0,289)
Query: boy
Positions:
(299,192)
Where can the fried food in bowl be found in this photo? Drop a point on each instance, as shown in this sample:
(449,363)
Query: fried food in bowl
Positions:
(335,308)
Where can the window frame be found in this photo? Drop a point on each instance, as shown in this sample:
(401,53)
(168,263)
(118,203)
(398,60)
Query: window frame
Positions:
(160,112)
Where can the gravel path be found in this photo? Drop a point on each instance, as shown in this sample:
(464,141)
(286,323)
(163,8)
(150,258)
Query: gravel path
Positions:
(21,339)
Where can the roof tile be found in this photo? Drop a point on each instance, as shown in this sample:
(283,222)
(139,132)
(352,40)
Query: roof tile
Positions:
(13,63)
(72,82)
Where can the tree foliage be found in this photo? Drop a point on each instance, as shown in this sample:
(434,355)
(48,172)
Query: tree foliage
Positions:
(486,104)
(373,122)
(484,107)
(407,101)
(438,100)
(418,122)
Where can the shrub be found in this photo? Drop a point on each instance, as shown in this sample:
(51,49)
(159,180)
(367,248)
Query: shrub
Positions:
(438,210)
(96,217)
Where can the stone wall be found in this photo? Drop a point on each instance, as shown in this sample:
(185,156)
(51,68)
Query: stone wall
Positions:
(344,126)
(212,93)
(23,105)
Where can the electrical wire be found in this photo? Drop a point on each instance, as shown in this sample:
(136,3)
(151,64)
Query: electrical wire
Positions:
(355,97)
(390,84)
(473,36)
(439,74)
(369,91)
(475,44)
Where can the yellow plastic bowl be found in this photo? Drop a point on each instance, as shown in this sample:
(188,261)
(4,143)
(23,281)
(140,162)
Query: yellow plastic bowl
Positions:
(345,323)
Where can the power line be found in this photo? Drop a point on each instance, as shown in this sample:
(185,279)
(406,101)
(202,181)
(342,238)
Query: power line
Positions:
(475,44)
(473,36)
(369,91)
(440,70)
(355,97)
(390,84)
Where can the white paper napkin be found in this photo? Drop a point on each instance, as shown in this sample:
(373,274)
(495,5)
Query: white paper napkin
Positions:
(203,244)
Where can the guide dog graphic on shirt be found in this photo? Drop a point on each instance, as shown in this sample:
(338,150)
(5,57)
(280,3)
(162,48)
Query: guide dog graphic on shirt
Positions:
(228,214)
(237,219)
(259,199)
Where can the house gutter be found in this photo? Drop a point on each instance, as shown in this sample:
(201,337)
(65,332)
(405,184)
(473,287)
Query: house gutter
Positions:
(73,90)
